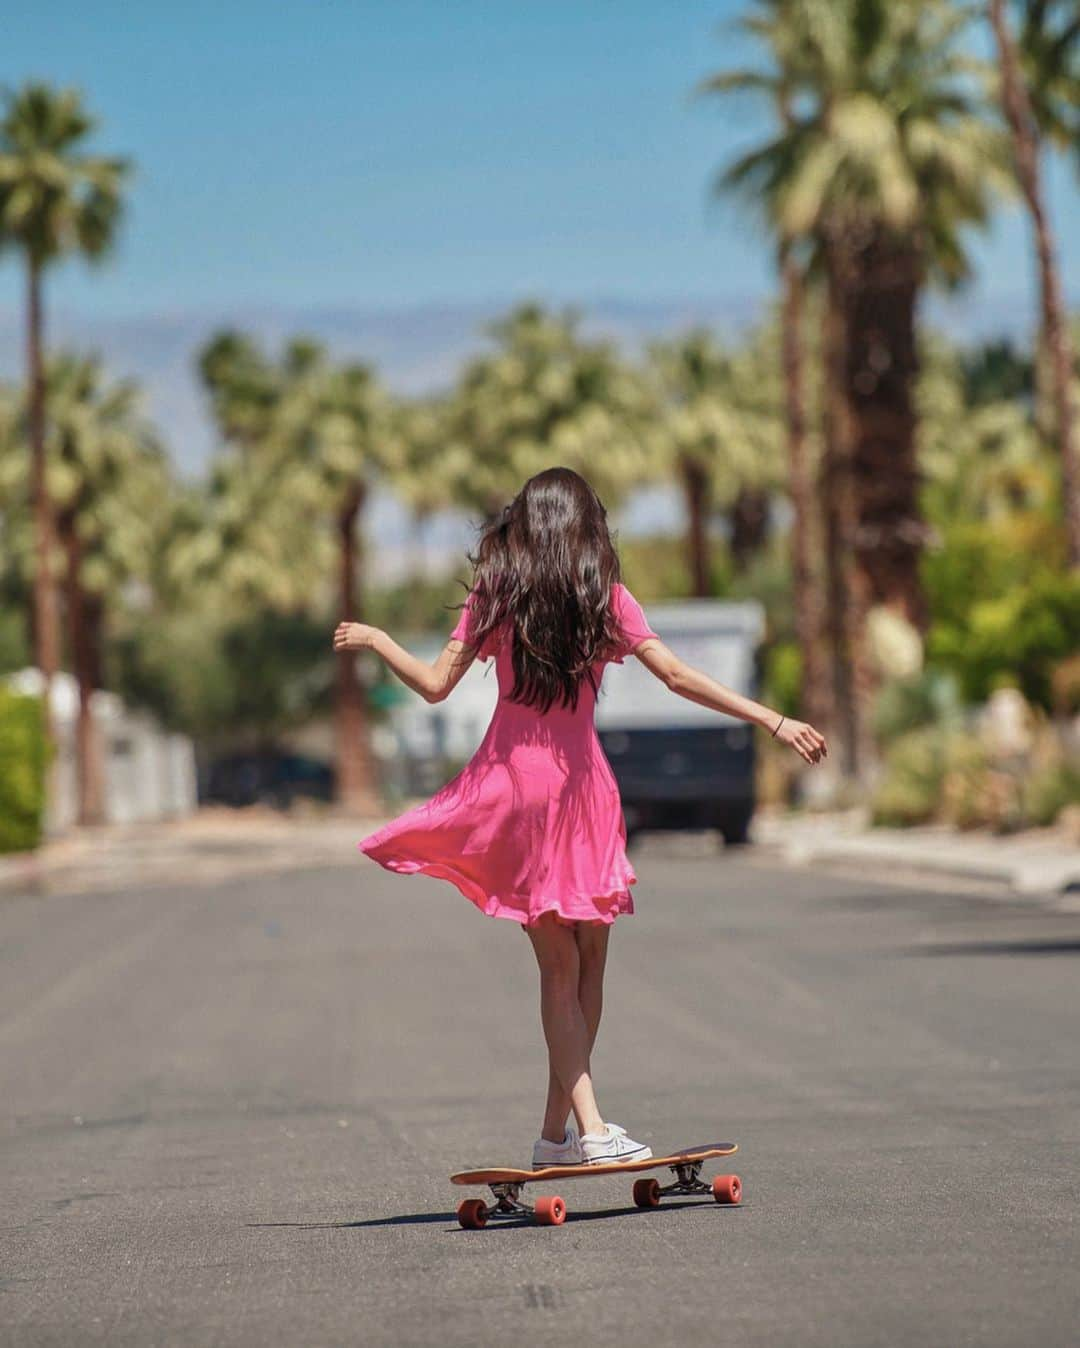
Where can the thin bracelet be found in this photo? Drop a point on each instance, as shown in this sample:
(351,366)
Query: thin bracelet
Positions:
(778,725)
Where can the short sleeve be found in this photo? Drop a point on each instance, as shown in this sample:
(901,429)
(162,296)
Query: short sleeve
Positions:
(464,631)
(632,622)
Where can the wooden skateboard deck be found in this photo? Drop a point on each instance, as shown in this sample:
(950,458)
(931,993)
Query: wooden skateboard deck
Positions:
(506,1183)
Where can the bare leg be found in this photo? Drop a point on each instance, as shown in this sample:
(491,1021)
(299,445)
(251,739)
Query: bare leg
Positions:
(592,942)
(571,964)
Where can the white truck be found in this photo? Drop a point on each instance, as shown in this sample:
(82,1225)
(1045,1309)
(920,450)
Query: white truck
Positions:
(678,764)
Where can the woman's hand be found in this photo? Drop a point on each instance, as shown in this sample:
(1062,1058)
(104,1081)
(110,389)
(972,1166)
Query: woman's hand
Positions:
(354,637)
(803,738)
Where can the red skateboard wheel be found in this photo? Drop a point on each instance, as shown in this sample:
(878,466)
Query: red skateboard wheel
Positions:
(472,1214)
(550,1211)
(647,1193)
(727,1189)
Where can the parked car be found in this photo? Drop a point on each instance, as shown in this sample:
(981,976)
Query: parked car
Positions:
(270,778)
(679,765)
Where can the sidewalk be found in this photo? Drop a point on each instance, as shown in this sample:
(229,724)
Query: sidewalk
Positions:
(202,848)
(1035,862)
(217,843)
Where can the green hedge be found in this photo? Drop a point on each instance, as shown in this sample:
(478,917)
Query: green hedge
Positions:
(935,773)
(1019,637)
(782,682)
(22,771)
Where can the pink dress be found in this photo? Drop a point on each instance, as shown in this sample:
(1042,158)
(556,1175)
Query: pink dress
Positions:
(533,823)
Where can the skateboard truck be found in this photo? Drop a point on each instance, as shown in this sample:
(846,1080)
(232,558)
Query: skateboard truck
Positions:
(508,1201)
(687,1180)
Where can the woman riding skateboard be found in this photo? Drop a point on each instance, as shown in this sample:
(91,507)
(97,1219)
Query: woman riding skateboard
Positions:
(532,828)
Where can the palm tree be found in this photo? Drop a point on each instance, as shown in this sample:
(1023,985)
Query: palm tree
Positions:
(913,162)
(55,199)
(543,396)
(16,551)
(759,394)
(109,479)
(789,33)
(261,541)
(777,26)
(418,473)
(883,164)
(720,446)
(308,439)
(1043,99)
(1049,48)
(354,441)
(982,458)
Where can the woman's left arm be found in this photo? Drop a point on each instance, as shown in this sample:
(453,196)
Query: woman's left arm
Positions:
(433,682)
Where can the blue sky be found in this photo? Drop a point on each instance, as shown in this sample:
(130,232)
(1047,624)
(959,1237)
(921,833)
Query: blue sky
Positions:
(403,153)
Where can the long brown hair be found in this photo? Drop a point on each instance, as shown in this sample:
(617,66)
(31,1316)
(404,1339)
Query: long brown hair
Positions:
(546,566)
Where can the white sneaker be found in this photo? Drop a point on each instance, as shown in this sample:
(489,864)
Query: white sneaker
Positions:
(566,1152)
(612,1146)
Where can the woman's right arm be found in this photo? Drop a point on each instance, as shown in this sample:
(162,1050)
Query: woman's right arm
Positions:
(699,687)
(434,682)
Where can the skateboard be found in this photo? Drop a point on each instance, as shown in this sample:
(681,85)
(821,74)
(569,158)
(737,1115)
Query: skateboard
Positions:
(550,1210)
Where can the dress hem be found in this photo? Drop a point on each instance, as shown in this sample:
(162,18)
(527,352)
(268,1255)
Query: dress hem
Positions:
(493,906)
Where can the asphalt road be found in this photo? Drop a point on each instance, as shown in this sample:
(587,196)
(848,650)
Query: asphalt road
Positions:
(228,1114)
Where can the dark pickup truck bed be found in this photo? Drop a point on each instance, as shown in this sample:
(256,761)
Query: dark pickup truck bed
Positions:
(685,777)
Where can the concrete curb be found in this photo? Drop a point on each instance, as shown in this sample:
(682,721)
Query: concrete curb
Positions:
(20,873)
(1037,862)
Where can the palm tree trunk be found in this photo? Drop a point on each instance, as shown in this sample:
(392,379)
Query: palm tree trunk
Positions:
(46,605)
(94,626)
(889,532)
(355,765)
(837,509)
(806,594)
(88,749)
(696,489)
(749,525)
(1017,108)
(1043,384)
(94,608)
(882,367)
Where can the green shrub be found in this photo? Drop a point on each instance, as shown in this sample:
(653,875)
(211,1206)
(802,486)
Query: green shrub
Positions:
(1048,790)
(22,771)
(655,568)
(929,698)
(938,773)
(783,677)
(1065,685)
(910,785)
(972,794)
(983,559)
(1019,636)
(14,653)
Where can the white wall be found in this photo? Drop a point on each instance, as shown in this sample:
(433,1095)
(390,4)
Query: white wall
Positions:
(149,772)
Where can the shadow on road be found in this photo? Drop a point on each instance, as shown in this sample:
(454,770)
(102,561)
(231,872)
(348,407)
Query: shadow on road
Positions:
(424,1218)
(405,1219)
(645,1213)
(1036,947)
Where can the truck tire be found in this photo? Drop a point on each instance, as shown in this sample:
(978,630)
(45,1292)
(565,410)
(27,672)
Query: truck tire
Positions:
(734,825)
